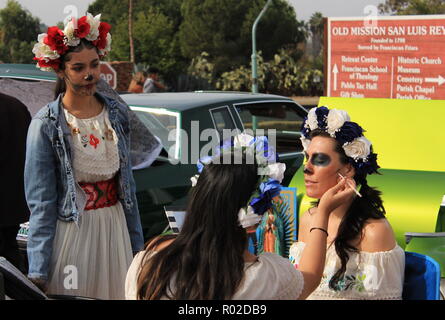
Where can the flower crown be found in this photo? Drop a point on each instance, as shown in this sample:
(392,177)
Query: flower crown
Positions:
(55,42)
(349,134)
(270,172)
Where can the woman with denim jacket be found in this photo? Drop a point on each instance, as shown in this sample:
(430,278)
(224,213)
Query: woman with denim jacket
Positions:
(84,224)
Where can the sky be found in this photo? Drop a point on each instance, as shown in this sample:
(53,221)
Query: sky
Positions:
(52,11)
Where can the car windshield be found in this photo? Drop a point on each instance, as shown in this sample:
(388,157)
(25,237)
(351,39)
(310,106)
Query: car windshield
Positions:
(161,122)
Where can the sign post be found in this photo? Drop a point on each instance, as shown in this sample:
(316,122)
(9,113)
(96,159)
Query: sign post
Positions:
(108,74)
(401,57)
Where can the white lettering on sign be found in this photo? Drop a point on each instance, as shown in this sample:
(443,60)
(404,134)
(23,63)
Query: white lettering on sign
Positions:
(407,88)
(409,79)
(107,77)
(437,30)
(408,60)
(426,60)
(402,69)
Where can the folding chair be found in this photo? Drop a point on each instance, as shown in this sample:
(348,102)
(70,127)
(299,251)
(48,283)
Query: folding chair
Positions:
(422,277)
(14,285)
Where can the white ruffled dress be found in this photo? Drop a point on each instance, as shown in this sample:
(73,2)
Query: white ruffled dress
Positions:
(92,259)
(369,275)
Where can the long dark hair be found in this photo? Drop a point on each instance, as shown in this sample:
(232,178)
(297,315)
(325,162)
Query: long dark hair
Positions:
(369,206)
(60,84)
(206,260)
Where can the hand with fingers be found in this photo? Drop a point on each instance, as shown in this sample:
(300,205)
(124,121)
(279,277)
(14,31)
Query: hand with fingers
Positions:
(342,192)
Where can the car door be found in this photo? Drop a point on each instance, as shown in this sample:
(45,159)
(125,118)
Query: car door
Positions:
(283,116)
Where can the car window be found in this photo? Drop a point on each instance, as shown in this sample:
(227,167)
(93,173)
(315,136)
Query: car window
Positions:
(286,118)
(222,119)
(161,122)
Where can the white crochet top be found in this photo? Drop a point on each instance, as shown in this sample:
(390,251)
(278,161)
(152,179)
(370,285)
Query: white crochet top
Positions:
(369,275)
(95,151)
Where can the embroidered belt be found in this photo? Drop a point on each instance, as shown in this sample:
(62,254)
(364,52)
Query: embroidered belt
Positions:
(100,194)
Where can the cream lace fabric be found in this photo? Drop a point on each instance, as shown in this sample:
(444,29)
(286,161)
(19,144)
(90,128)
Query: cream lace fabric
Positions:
(369,275)
(95,146)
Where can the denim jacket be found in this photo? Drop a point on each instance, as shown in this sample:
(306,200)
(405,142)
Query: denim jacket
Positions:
(51,189)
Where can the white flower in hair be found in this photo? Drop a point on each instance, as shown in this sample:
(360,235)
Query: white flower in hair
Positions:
(248,218)
(242,140)
(276,171)
(336,119)
(70,38)
(312,121)
(41,50)
(359,148)
(94,23)
(194,179)
(108,47)
(305,142)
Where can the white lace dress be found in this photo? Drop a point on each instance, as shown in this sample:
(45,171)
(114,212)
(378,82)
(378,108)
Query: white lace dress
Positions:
(369,275)
(92,259)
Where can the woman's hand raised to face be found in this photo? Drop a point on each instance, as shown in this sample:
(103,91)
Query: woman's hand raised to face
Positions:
(339,194)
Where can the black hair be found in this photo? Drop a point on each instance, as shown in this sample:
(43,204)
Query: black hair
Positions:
(60,84)
(206,260)
(151,70)
(369,206)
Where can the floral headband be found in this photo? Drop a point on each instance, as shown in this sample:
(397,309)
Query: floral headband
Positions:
(55,42)
(349,134)
(270,172)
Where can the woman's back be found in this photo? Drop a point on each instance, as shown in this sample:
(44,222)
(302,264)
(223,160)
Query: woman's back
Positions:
(271,277)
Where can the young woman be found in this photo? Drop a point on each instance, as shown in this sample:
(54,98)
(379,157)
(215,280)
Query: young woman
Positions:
(84,224)
(209,258)
(363,260)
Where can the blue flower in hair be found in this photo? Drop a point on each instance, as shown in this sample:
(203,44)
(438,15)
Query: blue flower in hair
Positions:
(348,132)
(322,114)
(202,162)
(268,190)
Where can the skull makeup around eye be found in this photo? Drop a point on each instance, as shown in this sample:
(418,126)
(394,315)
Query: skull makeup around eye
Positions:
(320,159)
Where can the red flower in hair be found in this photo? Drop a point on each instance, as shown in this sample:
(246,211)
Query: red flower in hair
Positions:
(48,64)
(83,28)
(101,42)
(55,40)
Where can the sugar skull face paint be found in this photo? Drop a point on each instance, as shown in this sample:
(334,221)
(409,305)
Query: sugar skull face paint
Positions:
(323,164)
(319,159)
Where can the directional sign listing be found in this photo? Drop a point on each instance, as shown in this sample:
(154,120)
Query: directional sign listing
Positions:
(400,57)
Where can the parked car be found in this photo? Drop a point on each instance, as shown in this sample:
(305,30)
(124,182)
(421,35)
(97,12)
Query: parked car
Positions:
(165,183)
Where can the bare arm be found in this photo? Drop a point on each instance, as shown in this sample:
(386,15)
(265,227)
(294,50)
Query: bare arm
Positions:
(314,254)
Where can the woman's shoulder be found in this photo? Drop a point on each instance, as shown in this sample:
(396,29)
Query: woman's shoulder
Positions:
(271,277)
(377,236)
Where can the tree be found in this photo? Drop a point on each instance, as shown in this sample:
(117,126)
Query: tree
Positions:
(154,44)
(412,7)
(224,30)
(114,10)
(18,31)
(316,26)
